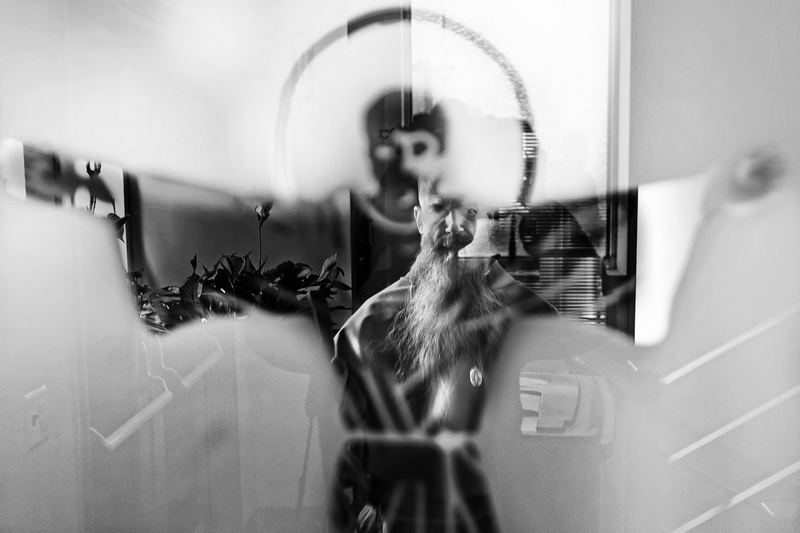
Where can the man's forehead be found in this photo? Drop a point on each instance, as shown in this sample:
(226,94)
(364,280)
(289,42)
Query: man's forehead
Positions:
(429,194)
(436,198)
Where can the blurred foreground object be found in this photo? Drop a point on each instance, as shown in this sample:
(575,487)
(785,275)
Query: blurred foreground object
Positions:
(550,425)
(729,403)
(672,213)
(114,429)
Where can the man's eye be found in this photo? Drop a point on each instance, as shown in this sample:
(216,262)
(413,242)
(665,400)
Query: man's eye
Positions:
(472,213)
(437,208)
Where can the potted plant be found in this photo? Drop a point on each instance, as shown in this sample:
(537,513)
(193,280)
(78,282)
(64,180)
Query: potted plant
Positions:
(234,285)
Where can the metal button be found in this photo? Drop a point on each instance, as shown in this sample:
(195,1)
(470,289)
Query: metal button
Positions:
(475,376)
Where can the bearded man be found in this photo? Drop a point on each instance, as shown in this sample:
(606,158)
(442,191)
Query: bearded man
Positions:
(416,359)
(436,330)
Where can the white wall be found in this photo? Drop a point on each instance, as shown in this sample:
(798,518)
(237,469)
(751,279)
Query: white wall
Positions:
(711,79)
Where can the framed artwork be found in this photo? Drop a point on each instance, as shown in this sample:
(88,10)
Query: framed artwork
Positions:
(102,190)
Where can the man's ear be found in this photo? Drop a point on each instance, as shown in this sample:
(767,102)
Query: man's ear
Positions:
(417,212)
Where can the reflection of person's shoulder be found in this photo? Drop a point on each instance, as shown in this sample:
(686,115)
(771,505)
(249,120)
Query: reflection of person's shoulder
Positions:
(522,299)
(370,323)
(385,304)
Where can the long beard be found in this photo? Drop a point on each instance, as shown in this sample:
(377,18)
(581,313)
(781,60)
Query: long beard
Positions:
(451,314)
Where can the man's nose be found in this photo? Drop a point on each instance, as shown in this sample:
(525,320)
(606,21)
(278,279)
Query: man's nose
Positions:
(453,223)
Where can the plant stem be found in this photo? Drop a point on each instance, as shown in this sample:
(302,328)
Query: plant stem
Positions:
(259,245)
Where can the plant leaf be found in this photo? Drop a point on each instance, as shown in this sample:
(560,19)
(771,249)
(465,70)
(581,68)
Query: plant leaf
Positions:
(119,224)
(225,264)
(329,263)
(249,267)
(327,266)
(237,264)
(189,291)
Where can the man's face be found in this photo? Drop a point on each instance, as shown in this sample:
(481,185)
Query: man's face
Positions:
(447,224)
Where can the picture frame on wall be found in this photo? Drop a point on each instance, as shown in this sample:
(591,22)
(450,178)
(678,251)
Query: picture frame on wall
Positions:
(101,190)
